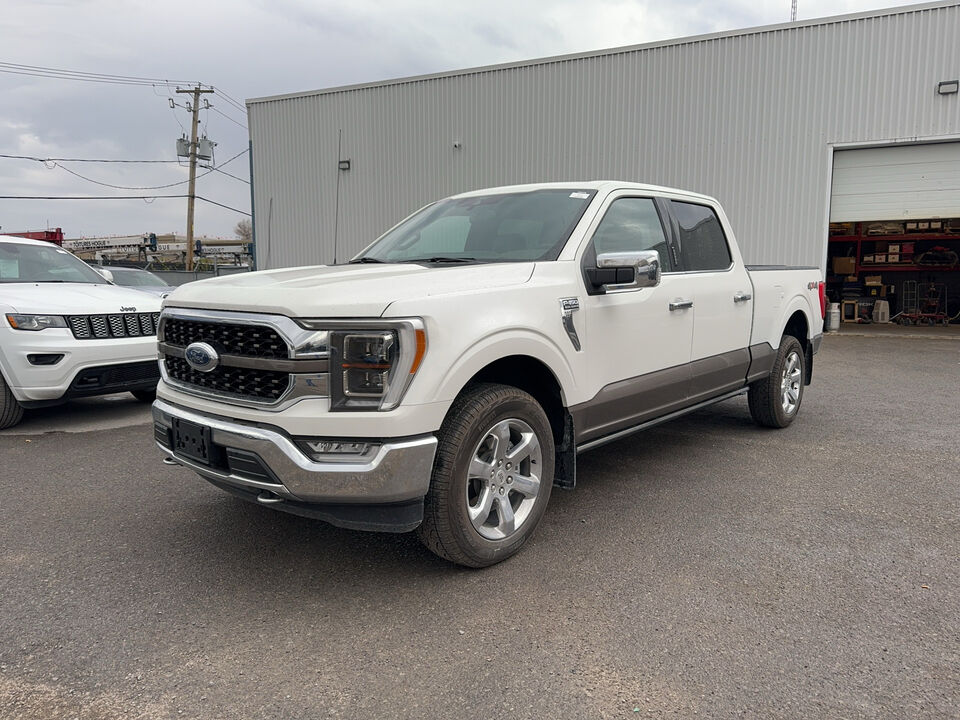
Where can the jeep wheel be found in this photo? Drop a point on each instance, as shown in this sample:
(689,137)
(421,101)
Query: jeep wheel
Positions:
(775,400)
(11,412)
(491,478)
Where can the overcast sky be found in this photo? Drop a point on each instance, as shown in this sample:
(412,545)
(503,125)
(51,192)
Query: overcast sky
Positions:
(252,48)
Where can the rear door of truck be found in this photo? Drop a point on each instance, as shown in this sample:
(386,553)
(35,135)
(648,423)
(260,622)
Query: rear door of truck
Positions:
(722,298)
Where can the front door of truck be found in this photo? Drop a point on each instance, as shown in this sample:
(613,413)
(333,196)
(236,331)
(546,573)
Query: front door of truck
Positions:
(638,341)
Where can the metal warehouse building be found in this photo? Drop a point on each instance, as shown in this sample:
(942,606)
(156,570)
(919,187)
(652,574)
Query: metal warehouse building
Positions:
(832,138)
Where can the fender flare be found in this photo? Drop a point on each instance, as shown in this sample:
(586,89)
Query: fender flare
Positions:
(501,344)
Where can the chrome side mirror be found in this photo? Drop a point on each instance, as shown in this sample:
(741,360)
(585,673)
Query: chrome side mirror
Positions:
(626,270)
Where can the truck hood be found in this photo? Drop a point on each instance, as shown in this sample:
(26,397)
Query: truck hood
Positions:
(342,290)
(74,299)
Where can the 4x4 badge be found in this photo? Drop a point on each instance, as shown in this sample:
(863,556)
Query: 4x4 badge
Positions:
(568,307)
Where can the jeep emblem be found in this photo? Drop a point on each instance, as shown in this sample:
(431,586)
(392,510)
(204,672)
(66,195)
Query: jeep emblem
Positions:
(201,357)
(127,309)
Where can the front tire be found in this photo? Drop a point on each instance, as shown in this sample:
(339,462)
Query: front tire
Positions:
(11,411)
(775,400)
(492,476)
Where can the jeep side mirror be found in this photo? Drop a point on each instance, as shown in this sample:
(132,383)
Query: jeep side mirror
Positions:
(107,275)
(625,270)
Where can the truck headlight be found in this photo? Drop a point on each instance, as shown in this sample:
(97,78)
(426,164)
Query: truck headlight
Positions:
(35,322)
(371,362)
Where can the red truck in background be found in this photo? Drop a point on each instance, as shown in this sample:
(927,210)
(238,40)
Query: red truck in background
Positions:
(54,236)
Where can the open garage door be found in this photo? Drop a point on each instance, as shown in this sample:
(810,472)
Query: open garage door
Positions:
(894,249)
(896,183)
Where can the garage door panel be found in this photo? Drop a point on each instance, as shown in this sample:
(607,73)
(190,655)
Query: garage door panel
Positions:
(896,183)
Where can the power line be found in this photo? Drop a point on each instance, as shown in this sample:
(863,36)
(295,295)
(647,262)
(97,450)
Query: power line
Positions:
(56,163)
(237,104)
(87,197)
(225,162)
(108,76)
(214,202)
(235,122)
(61,74)
(81,78)
(119,197)
(224,172)
(129,187)
(83,160)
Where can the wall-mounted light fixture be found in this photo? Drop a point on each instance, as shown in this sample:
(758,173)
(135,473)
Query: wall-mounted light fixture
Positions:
(457,145)
(948,87)
(344,164)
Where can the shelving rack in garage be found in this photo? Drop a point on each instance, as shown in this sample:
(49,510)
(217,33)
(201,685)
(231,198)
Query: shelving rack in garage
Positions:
(871,261)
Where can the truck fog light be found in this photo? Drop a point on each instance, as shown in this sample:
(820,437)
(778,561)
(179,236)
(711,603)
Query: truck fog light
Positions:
(333,450)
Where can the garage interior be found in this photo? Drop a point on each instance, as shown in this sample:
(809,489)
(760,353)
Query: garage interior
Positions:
(893,252)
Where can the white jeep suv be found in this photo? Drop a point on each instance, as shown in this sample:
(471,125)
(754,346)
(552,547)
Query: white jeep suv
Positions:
(66,332)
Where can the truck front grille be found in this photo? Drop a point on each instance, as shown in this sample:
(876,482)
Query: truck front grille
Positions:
(267,385)
(102,327)
(229,338)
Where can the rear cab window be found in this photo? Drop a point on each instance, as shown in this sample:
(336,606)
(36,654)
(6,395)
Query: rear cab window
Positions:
(702,242)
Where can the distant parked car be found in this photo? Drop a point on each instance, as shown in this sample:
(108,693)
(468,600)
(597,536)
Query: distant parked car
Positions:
(138,280)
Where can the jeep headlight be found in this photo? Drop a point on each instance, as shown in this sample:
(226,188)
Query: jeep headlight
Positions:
(371,362)
(35,322)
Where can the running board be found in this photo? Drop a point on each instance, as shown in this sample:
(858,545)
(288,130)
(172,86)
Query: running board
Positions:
(657,421)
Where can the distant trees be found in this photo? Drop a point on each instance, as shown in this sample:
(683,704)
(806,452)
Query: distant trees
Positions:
(244,231)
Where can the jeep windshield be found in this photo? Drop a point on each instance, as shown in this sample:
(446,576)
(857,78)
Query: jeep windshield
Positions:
(23,263)
(505,227)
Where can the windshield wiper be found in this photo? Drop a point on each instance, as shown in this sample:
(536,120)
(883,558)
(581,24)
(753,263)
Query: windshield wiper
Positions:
(365,260)
(441,259)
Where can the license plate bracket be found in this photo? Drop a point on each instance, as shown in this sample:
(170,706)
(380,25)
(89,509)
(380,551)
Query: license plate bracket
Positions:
(191,440)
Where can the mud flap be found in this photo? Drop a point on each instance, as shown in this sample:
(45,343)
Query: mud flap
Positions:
(565,467)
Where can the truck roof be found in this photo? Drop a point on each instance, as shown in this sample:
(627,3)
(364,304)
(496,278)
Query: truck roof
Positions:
(599,185)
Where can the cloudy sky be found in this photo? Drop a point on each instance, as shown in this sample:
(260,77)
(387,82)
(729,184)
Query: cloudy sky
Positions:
(253,48)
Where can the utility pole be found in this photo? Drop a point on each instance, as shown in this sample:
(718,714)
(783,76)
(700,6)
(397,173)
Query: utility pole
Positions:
(793,11)
(191,192)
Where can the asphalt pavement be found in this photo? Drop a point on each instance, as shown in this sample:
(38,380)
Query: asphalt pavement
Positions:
(705,568)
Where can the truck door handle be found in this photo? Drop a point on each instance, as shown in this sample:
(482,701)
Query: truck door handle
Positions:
(742,297)
(681,305)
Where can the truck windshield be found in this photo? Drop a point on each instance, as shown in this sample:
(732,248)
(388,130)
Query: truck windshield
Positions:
(21,263)
(506,227)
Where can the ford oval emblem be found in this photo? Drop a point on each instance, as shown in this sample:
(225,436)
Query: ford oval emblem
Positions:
(201,357)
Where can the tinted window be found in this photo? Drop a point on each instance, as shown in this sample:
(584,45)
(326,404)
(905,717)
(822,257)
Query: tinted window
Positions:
(703,245)
(632,224)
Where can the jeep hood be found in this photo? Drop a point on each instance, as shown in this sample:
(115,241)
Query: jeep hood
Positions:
(74,299)
(342,290)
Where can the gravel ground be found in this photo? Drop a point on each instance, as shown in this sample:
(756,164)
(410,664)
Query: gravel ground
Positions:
(704,568)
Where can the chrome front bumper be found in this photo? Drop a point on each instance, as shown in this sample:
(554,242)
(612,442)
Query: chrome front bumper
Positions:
(261,459)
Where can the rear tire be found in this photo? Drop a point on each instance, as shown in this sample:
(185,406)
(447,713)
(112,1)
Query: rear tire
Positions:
(492,476)
(145,396)
(775,400)
(11,411)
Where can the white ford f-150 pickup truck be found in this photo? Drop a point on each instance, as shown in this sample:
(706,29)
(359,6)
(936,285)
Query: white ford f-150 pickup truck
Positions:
(446,377)
(66,332)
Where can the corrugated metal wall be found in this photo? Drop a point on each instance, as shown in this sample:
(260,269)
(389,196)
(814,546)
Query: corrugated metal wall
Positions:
(749,118)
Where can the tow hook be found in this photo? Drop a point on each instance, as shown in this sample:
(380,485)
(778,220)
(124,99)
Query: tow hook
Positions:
(268,498)
(170,461)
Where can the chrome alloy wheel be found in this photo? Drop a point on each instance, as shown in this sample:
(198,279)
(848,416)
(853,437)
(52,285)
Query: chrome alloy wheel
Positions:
(503,479)
(790,383)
